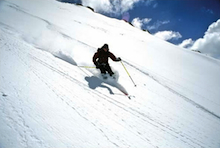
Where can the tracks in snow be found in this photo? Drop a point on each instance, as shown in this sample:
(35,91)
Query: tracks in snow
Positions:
(128,109)
(137,127)
(174,91)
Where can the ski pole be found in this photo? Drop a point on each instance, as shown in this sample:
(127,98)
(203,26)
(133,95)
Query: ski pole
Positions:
(128,73)
(87,66)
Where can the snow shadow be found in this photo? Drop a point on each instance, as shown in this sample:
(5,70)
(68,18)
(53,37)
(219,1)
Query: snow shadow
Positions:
(95,82)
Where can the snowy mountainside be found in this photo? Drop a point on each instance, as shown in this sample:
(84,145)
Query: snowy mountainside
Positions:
(47,100)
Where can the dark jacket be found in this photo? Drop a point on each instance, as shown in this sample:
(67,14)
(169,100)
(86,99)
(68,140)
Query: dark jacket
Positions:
(101,57)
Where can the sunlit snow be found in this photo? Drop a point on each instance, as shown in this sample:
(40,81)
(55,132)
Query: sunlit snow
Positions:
(51,96)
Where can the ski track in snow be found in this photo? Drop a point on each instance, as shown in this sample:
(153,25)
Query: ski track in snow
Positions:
(174,91)
(135,113)
(21,123)
(118,104)
(135,125)
(55,28)
(151,76)
(26,135)
(185,138)
(60,95)
(18,124)
(147,74)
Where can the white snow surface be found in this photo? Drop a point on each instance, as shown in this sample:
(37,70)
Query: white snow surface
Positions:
(48,101)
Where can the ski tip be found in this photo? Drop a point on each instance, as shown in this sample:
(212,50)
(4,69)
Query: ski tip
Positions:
(130,96)
(126,94)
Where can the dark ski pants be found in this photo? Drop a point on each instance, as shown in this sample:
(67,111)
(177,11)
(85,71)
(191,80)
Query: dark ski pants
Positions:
(106,68)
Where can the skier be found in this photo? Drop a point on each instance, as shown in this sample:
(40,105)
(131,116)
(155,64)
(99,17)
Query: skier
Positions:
(100,59)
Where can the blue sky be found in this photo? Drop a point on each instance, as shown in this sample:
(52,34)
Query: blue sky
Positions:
(181,22)
(191,18)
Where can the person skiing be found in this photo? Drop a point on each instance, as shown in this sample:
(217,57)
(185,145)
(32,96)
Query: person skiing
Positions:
(100,59)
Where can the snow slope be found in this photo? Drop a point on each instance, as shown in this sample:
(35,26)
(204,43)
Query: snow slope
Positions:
(47,100)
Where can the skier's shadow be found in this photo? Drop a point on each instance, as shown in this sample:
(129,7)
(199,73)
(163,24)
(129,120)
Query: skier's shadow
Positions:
(95,82)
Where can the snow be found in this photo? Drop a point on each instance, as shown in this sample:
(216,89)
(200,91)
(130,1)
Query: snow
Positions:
(48,100)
